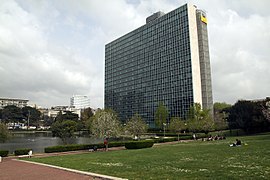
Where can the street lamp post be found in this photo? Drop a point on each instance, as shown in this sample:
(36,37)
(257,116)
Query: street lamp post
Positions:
(28,119)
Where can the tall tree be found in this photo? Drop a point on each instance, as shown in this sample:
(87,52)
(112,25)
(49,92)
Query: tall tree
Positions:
(12,114)
(86,114)
(199,119)
(59,116)
(64,130)
(161,115)
(65,125)
(221,115)
(33,114)
(4,133)
(136,126)
(248,116)
(266,109)
(0,115)
(48,121)
(68,115)
(219,106)
(177,125)
(206,123)
(105,123)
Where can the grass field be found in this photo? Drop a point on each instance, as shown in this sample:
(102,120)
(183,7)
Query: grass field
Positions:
(189,160)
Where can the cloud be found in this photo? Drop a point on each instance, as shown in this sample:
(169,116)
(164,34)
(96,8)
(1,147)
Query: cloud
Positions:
(32,64)
(50,50)
(239,56)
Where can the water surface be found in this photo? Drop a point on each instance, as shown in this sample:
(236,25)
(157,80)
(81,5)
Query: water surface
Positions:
(39,140)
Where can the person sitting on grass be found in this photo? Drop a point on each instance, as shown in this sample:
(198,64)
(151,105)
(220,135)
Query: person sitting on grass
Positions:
(237,143)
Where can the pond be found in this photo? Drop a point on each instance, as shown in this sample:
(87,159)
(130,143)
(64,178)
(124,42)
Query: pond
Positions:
(39,140)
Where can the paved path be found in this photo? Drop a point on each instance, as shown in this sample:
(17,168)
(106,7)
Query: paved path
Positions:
(11,169)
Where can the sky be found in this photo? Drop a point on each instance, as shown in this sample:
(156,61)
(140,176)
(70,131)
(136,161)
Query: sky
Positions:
(51,50)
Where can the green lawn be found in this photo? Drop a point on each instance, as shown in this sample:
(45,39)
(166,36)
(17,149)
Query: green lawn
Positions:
(189,160)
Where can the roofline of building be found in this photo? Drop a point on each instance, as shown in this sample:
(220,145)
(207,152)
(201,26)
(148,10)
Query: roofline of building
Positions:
(14,99)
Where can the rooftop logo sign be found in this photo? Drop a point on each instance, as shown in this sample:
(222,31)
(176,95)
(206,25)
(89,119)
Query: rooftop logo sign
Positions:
(203,19)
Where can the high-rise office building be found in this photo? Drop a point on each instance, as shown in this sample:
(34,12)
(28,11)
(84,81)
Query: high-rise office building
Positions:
(166,60)
(79,101)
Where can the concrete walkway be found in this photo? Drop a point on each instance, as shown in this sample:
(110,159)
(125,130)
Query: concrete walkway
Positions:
(11,169)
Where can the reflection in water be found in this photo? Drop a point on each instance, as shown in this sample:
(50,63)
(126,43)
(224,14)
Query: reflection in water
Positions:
(39,140)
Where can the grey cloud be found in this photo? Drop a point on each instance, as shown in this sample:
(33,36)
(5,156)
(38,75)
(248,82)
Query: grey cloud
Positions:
(56,48)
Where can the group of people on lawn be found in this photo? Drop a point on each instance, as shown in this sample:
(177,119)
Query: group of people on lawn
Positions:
(214,138)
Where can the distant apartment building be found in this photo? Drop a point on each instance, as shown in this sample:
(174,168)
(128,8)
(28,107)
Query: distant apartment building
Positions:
(53,111)
(10,101)
(79,102)
(166,60)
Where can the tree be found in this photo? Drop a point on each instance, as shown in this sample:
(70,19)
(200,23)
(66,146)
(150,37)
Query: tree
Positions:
(68,115)
(199,119)
(4,133)
(219,106)
(12,114)
(105,123)
(221,121)
(221,115)
(0,115)
(248,116)
(266,108)
(206,123)
(64,129)
(136,126)
(193,117)
(161,115)
(48,121)
(177,125)
(33,114)
(59,116)
(86,114)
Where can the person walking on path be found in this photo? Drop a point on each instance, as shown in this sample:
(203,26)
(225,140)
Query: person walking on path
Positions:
(106,144)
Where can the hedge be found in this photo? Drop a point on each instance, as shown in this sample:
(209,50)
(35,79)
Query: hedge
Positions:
(116,144)
(18,152)
(3,153)
(71,147)
(139,144)
(76,147)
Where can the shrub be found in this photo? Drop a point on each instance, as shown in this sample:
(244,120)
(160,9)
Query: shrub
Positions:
(116,144)
(166,134)
(76,147)
(72,147)
(18,152)
(3,153)
(139,144)
(201,135)
(163,140)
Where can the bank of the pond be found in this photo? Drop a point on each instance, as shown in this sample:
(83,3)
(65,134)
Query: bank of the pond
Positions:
(38,140)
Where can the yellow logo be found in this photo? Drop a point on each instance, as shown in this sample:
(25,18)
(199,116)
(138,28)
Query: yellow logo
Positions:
(203,19)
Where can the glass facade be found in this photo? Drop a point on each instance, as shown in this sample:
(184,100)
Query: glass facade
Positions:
(149,65)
